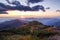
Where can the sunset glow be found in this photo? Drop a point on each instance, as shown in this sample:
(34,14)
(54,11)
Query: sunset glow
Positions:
(27,14)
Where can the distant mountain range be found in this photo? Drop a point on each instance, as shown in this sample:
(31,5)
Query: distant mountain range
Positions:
(46,21)
(10,24)
(54,22)
(5,24)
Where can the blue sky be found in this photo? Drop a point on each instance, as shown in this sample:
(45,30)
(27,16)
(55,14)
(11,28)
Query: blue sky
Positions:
(53,4)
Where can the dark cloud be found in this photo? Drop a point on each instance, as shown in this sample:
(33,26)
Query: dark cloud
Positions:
(35,1)
(38,7)
(20,7)
(58,10)
(3,12)
(14,2)
(2,9)
(48,8)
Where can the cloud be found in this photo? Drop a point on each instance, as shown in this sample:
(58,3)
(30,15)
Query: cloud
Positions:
(14,2)
(3,12)
(48,8)
(35,1)
(58,10)
(39,7)
(20,7)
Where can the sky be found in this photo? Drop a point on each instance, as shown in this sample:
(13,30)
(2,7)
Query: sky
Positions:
(28,14)
(53,4)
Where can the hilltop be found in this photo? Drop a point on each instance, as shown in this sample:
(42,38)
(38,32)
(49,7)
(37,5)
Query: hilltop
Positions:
(28,31)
